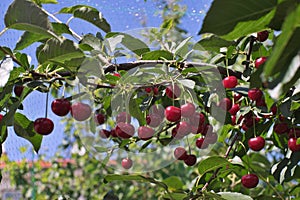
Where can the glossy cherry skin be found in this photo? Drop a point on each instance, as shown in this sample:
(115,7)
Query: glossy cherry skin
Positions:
(259,61)
(183,128)
(154,120)
(43,126)
(180,153)
(257,143)
(81,111)
(145,133)
(230,82)
(201,143)
(100,118)
(60,107)
(292,144)
(237,97)
(294,132)
(1,117)
(190,160)
(104,133)
(187,110)
(234,109)
(173,91)
(211,138)
(172,113)
(262,36)
(250,180)
(18,90)
(126,163)
(255,94)
(197,119)
(123,117)
(281,128)
(225,104)
(125,130)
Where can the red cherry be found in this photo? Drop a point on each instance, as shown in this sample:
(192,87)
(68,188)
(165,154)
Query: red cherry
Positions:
(294,132)
(1,117)
(281,128)
(237,97)
(123,117)
(148,89)
(292,144)
(259,62)
(18,89)
(190,160)
(234,109)
(100,118)
(255,94)
(117,74)
(208,129)
(155,90)
(126,163)
(261,102)
(257,143)
(60,107)
(173,91)
(274,109)
(198,119)
(180,153)
(225,104)
(81,111)
(43,126)
(201,143)
(113,132)
(183,128)
(173,114)
(211,138)
(230,82)
(157,109)
(250,180)
(145,133)
(153,120)
(233,120)
(175,133)
(124,130)
(104,133)
(262,36)
(188,110)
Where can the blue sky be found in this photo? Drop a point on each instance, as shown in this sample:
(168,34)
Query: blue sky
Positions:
(123,15)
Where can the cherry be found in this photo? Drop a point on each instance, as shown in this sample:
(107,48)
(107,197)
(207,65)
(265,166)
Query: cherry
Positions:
(292,144)
(281,128)
(173,114)
(180,153)
(18,89)
(188,110)
(250,180)
(190,160)
(259,61)
(126,163)
(117,74)
(153,120)
(43,126)
(124,130)
(123,117)
(1,117)
(201,143)
(211,138)
(208,129)
(104,133)
(294,132)
(183,128)
(60,107)
(237,97)
(155,90)
(262,36)
(148,89)
(230,82)
(257,143)
(225,104)
(261,102)
(81,111)
(100,118)
(173,91)
(274,109)
(157,109)
(198,119)
(145,133)
(113,132)
(233,120)
(255,94)
(175,133)
(234,109)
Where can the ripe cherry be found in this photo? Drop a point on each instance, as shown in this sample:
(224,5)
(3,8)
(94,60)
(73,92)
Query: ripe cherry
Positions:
(18,90)
(274,109)
(237,97)
(123,117)
(173,91)
(81,111)
(126,163)
(255,94)
(201,143)
(104,133)
(198,119)
(234,109)
(180,153)
(225,104)
(250,180)
(262,36)
(100,118)
(154,120)
(183,128)
(292,144)
(188,110)
(43,126)
(1,117)
(257,143)
(190,160)
(124,130)
(211,138)
(173,114)
(148,89)
(261,102)
(259,61)
(230,82)
(294,132)
(281,128)
(145,133)
(60,107)
(117,74)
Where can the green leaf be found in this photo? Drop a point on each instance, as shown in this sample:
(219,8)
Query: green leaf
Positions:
(173,183)
(182,49)
(23,127)
(289,39)
(89,14)
(212,163)
(40,2)
(158,55)
(234,195)
(135,110)
(29,38)
(213,43)
(92,41)
(133,44)
(295,105)
(27,16)
(60,52)
(117,177)
(235,12)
